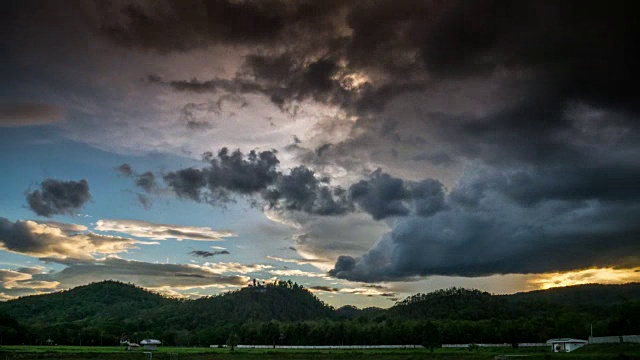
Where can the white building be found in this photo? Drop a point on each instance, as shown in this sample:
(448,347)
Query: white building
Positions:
(566,344)
(150,344)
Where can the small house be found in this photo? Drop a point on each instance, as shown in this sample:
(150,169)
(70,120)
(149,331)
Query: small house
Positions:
(150,344)
(566,344)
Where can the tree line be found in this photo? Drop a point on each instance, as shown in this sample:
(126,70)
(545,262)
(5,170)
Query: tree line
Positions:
(285,313)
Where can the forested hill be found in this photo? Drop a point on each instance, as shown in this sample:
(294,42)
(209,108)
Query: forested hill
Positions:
(590,294)
(284,301)
(107,299)
(463,304)
(454,303)
(284,312)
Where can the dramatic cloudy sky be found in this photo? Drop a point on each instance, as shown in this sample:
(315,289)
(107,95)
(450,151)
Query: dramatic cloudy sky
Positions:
(367,150)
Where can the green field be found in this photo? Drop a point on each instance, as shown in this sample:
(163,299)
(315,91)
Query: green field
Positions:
(593,352)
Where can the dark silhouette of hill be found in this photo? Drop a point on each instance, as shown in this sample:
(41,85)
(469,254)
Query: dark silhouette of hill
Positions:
(453,303)
(112,300)
(284,312)
(107,299)
(284,301)
(464,304)
(350,311)
(581,295)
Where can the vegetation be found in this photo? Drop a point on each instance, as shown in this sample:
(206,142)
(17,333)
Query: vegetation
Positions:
(284,313)
(595,352)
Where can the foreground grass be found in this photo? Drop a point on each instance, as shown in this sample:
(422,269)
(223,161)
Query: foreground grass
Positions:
(592,352)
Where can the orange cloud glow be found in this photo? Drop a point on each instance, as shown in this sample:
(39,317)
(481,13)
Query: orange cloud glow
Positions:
(588,276)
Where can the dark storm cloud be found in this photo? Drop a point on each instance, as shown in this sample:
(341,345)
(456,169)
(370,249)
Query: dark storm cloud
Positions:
(301,190)
(58,197)
(206,254)
(570,51)
(384,196)
(239,173)
(304,80)
(186,183)
(553,149)
(184,25)
(571,47)
(595,181)
(28,113)
(381,196)
(227,174)
(555,54)
(257,174)
(513,221)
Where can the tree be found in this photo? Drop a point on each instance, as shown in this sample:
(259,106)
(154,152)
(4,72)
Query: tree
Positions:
(233,340)
(431,338)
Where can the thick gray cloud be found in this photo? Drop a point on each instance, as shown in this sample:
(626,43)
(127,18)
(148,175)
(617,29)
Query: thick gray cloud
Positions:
(59,197)
(181,26)
(301,190)
(383,196)
(535,100)
(257,174)
(227,174)
(500,222)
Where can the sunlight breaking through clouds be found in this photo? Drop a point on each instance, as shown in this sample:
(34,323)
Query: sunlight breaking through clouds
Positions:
(588,276)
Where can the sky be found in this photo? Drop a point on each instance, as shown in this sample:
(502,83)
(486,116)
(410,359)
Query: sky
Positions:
(366,150)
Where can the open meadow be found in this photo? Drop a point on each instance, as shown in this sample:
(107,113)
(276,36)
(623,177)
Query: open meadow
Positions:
(592,352)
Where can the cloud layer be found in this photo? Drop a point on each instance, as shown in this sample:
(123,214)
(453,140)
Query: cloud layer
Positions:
(501,223)
(483,137)
(63,244)
(149,230)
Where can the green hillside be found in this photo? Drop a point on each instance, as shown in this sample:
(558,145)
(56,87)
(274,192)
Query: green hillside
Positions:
(285,313)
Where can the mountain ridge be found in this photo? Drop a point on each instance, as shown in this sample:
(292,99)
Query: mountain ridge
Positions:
(288,313)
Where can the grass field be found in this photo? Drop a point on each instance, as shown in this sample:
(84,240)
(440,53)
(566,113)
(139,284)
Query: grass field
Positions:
(592,352)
